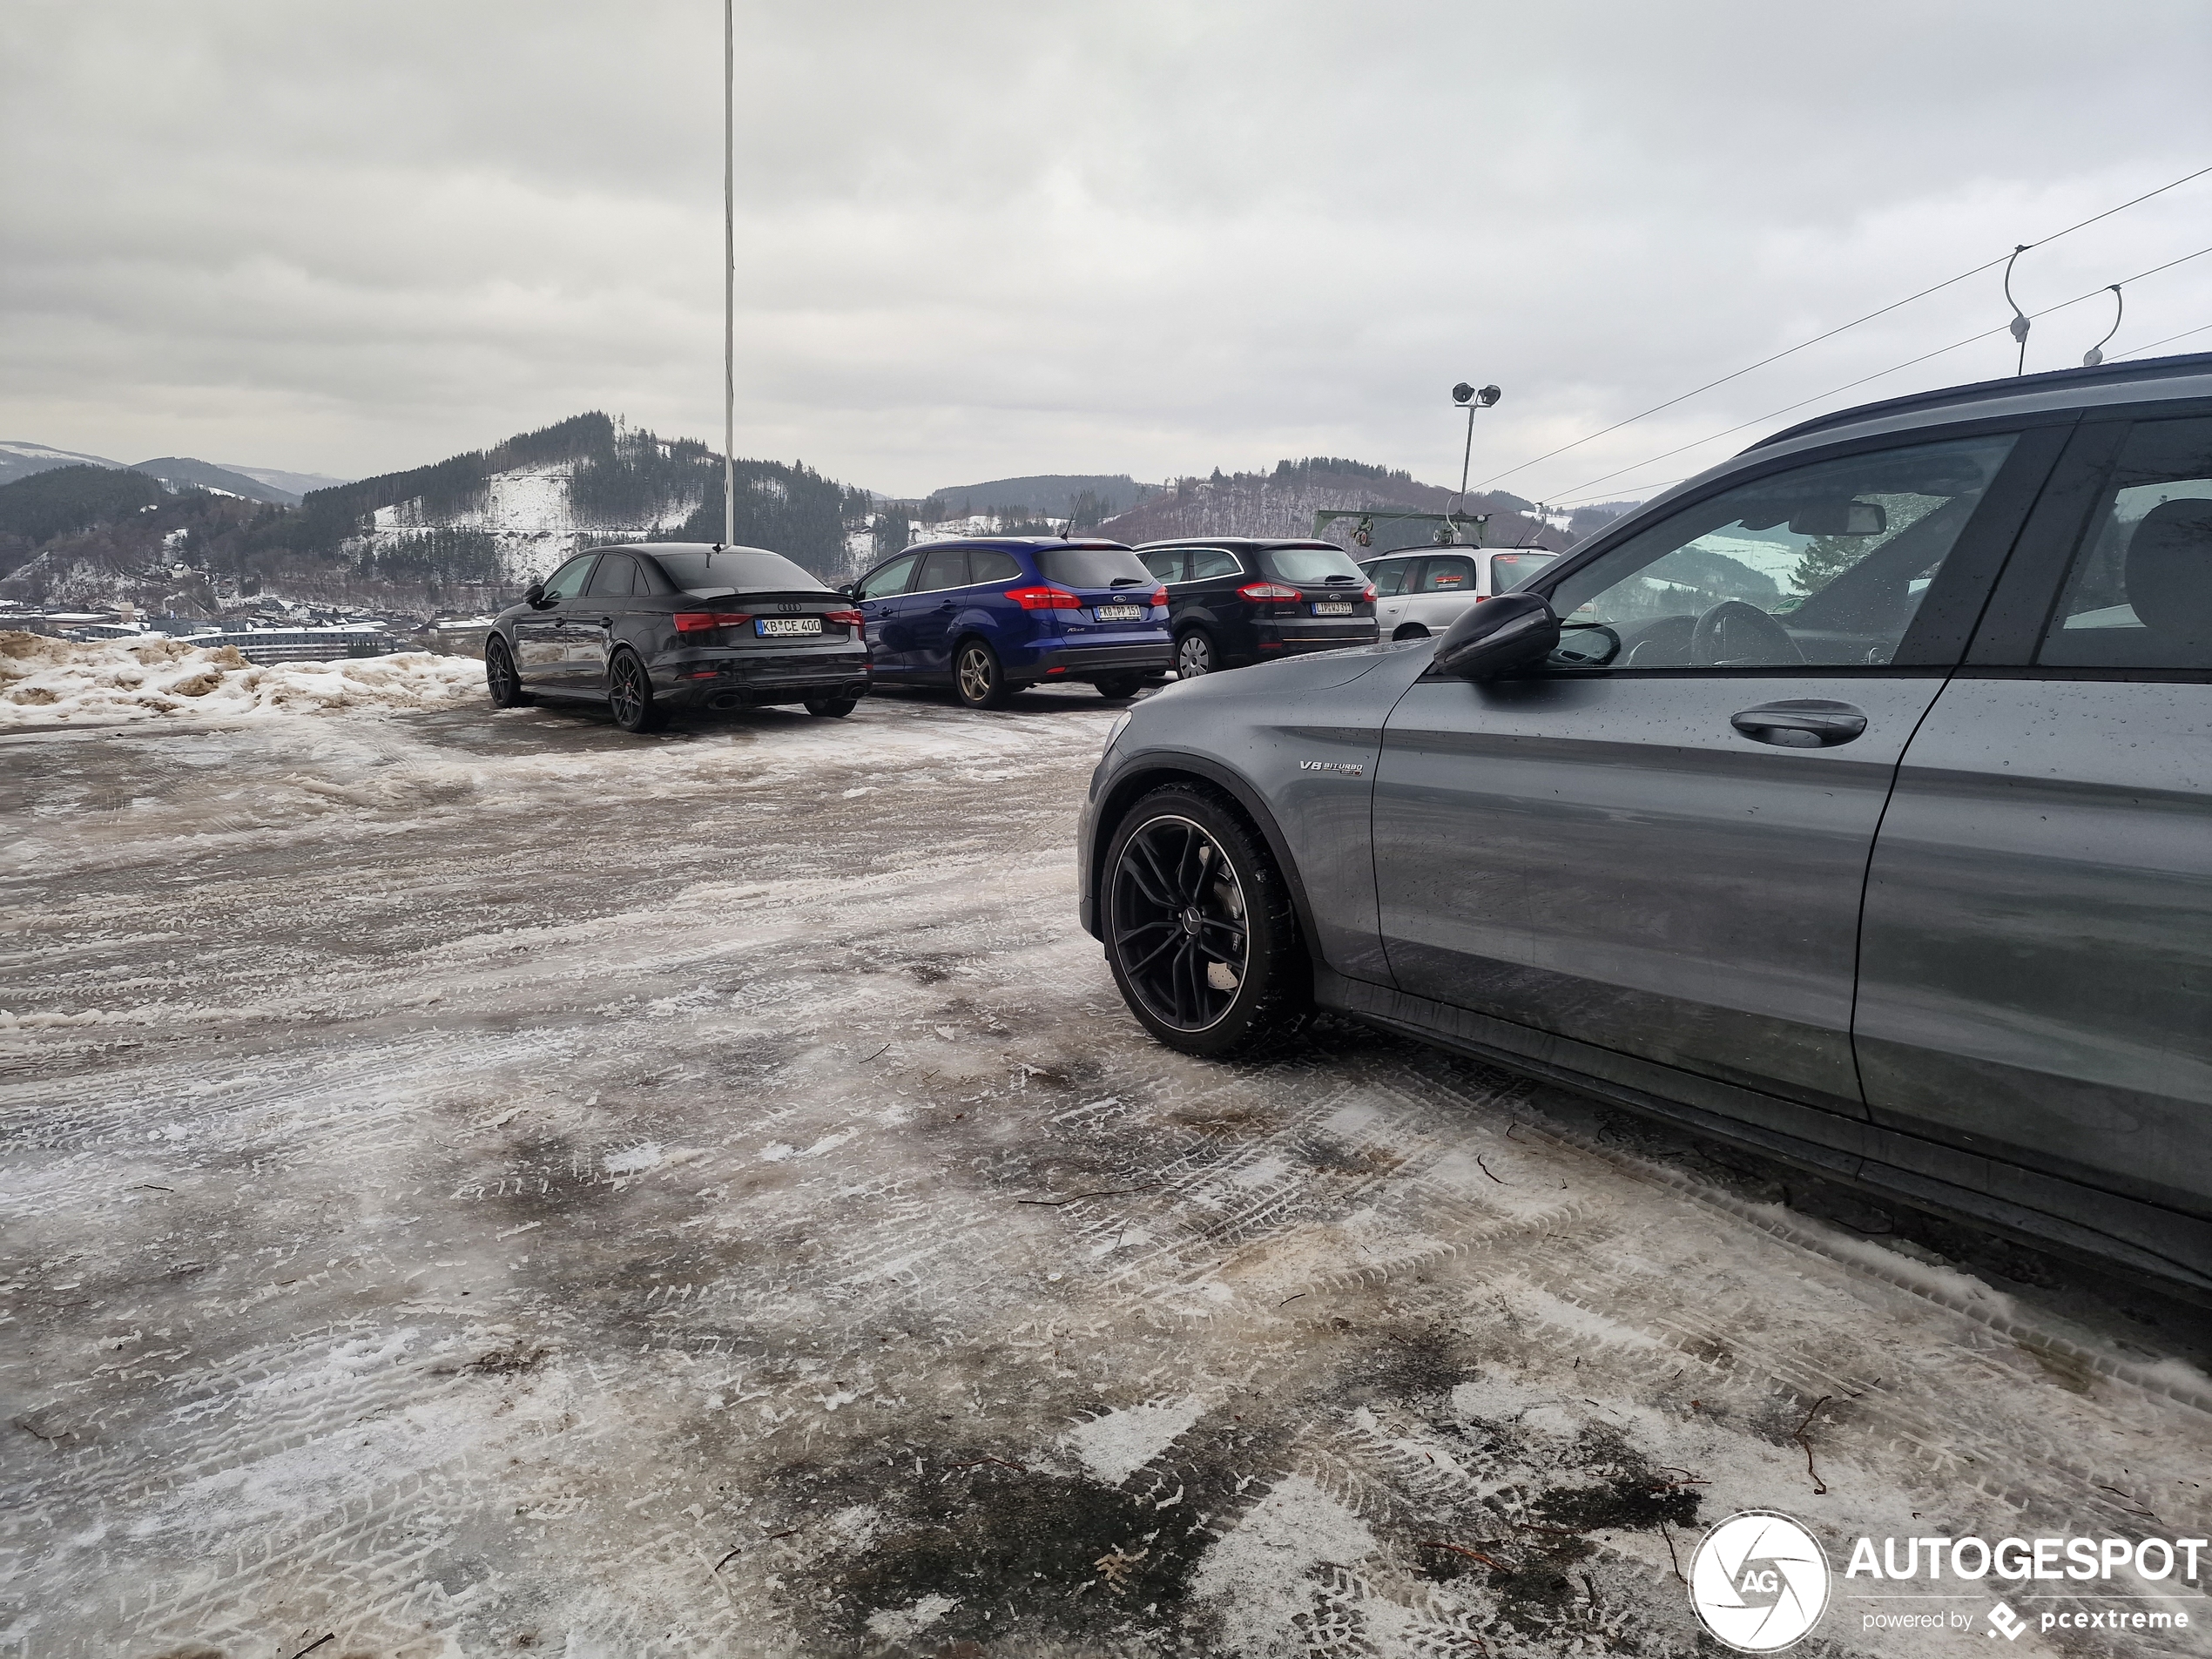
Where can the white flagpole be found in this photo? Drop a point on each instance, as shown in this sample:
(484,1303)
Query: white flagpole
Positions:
(729,281)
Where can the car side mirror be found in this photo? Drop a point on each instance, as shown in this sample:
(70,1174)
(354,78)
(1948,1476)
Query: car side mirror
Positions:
(534,596)
(1497,636)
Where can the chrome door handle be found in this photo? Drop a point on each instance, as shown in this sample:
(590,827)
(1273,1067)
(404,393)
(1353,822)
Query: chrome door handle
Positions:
(1801,722)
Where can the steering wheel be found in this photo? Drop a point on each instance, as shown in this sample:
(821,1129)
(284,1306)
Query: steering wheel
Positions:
(1705,637)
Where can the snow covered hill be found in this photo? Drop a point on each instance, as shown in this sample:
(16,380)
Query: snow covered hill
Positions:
(20,459)
(508,514)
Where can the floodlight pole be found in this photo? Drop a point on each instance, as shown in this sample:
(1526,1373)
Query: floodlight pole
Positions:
(1471,399)
(729,279)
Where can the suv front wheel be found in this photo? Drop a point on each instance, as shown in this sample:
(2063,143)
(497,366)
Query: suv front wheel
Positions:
(1200,932)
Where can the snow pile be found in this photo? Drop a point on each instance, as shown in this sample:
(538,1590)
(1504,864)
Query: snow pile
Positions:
(55,682)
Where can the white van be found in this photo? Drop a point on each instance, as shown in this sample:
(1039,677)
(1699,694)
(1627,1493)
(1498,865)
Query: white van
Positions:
(1421,590)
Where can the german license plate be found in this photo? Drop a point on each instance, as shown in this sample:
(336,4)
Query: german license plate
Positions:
(1329,609)
(782,627)
(1119,613)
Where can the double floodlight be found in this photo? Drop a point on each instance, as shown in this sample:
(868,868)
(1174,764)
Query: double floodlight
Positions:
(1482,400)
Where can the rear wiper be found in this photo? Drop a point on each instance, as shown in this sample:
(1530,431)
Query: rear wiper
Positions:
(1129,582)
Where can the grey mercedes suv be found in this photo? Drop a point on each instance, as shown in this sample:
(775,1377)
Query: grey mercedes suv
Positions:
(1852,800)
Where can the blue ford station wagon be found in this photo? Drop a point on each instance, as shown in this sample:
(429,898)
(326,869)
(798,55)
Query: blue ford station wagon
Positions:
(991,615)
(1852,800)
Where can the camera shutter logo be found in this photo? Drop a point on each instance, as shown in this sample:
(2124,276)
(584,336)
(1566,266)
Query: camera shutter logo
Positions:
(1758,1581)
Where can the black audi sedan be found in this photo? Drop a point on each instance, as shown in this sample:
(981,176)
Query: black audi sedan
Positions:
(678,625)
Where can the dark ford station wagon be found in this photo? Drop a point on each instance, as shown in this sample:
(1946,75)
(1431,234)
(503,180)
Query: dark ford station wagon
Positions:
(1852,800)
(1233,600)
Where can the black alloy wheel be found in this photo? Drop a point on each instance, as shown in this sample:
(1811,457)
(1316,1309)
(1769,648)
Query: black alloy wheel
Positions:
(629,694)
(1194,655)
(1118,686)
(831,708)
(500,677)
(1199,928)
(977,677)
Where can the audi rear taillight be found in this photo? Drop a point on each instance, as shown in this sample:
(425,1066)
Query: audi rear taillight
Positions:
(705,622)
(1043,598)
(1263,593)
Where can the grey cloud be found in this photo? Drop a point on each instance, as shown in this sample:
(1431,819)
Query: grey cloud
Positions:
(1002,238)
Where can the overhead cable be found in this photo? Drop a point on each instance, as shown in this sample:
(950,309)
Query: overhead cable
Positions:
(1879,373)
(2169,340)
(1802,345)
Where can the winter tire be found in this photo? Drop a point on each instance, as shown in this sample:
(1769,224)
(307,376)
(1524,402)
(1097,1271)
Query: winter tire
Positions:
(1194,655)
(629,694)
(1120,685)
(1200,933)
(500,677)
(831,708)
(977,677)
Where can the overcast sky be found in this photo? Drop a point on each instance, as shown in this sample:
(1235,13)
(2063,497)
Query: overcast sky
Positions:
(981,239)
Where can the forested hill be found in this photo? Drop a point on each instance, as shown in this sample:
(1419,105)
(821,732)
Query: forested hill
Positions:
(1283,502)
(587,479)
(462,534)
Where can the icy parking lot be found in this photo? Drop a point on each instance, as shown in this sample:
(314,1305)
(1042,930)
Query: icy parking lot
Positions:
(482,1183)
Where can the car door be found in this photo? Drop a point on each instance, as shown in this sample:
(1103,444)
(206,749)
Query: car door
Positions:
(540,634)
(879,595)
(1656,843)
(591,620)
(930,609)
(1389,576)
(1207,598)
(2036,962)
(1445,586)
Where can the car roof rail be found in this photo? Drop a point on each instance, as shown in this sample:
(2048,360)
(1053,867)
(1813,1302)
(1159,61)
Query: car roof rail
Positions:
(2050,380)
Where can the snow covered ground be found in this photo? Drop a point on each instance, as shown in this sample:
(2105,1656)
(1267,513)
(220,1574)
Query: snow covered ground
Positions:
(57,683)
(478,1182)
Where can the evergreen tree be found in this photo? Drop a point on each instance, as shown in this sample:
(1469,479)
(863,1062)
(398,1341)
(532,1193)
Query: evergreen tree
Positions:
(1825,558)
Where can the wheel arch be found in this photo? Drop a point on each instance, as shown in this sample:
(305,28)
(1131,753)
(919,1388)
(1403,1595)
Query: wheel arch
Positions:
(1155,770)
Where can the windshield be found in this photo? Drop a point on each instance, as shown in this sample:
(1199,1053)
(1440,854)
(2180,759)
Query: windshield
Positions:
(1095,567)
(739,569)
(1310,566)
(1509,570)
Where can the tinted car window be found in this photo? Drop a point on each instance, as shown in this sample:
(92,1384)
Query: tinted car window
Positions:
(736,569)
(1450,575)
(943,567)
(1388,576)
(1509,570)
(1310,565)
(2140,593)
(568,581)
(613,579)
(1211,563)
(1094,567)
(989,564)
(892,578)
(1165,563)
(1823,564)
